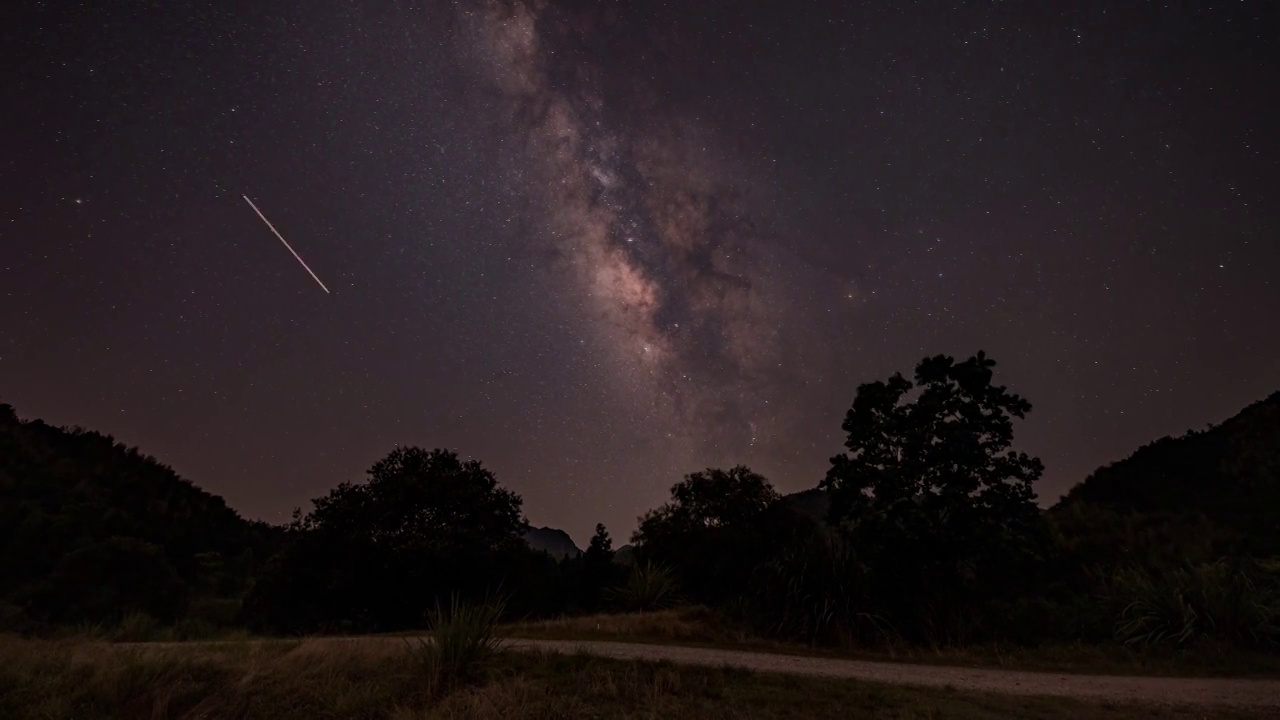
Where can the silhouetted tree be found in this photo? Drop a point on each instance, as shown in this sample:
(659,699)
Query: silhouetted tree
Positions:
(601,548)
(936,501)
(377,555)
(415,496)
(712,531)
(599,571)
(103,582)
(710,499)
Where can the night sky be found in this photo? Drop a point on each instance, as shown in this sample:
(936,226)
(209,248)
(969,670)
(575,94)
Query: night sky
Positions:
(599,245)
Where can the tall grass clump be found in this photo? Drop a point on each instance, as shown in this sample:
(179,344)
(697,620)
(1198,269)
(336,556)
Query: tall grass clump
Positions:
(1187,605)
(138,627)
(816,592)
(648,587)
(464,637)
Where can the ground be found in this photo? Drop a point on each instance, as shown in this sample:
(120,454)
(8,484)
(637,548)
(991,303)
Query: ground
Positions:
(704,627)
(382,678)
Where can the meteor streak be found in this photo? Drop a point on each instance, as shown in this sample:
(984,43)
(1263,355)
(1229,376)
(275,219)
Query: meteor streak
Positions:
(286,242)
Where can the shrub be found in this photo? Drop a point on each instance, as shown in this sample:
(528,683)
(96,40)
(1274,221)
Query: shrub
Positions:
(814,590)
(648,587)
(137,627)
(14,620)
(1182,606)
(107,581)
(214,611)
(463,637)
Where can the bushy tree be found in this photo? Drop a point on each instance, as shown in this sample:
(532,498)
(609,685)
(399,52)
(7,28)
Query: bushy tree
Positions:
(937,502)
(713,532)
(106,581)
(378,554)
(712,498)
(416,497)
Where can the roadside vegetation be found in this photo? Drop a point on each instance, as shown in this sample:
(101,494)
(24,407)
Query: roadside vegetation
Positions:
(922,543)
(333,678)
(699,626)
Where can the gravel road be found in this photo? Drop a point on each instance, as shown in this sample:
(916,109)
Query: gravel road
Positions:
(1159,690)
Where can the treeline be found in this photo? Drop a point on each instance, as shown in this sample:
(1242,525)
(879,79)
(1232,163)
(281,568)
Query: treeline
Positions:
(424,527)
(92,531)
(924,530)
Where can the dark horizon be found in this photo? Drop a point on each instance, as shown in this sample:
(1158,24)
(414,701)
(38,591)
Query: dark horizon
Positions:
(596,279)
(622,534)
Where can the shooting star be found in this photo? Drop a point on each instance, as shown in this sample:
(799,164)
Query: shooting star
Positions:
(286,242)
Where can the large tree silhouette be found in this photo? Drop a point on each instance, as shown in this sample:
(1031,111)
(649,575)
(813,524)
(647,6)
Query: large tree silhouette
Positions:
(416,497)
(708,499)
(714,532)
(930,488)
(379,554)
(599,571)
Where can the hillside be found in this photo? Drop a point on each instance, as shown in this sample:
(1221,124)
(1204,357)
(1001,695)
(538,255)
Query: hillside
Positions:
(813,502)
(1229,474)
(552,541)
(89,527)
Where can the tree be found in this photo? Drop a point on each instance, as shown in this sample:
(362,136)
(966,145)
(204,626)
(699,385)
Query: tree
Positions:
(710,499)
(930,489)
(104,582)
(416,497)
(92,530)
(600,551)
(599,571)
(712,531)
(377,555)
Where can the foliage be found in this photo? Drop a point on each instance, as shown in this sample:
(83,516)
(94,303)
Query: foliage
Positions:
(1188,605)
(600,572)
(681,624)
(715,531)
(1091,536)
(375,679)
(91,530)
(648,587)
(940,508)
(1226,478)
(600,551)
(123,576)
(137,627)
(370,556)
(942,459)
(464,636)
(713,498)
(923,532)
(815,590)
(415,496)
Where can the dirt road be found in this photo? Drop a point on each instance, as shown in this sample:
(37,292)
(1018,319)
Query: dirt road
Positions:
(1179,691)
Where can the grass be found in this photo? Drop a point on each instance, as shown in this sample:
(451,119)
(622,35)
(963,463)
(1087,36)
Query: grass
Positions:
(341,678)
(648,587)
(464,637)
(138,627)
(703,627)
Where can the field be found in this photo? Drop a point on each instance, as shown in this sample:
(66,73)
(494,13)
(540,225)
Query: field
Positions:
(386,678)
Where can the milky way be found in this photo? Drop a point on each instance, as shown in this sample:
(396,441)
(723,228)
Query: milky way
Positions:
(646,212)
(598,245)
